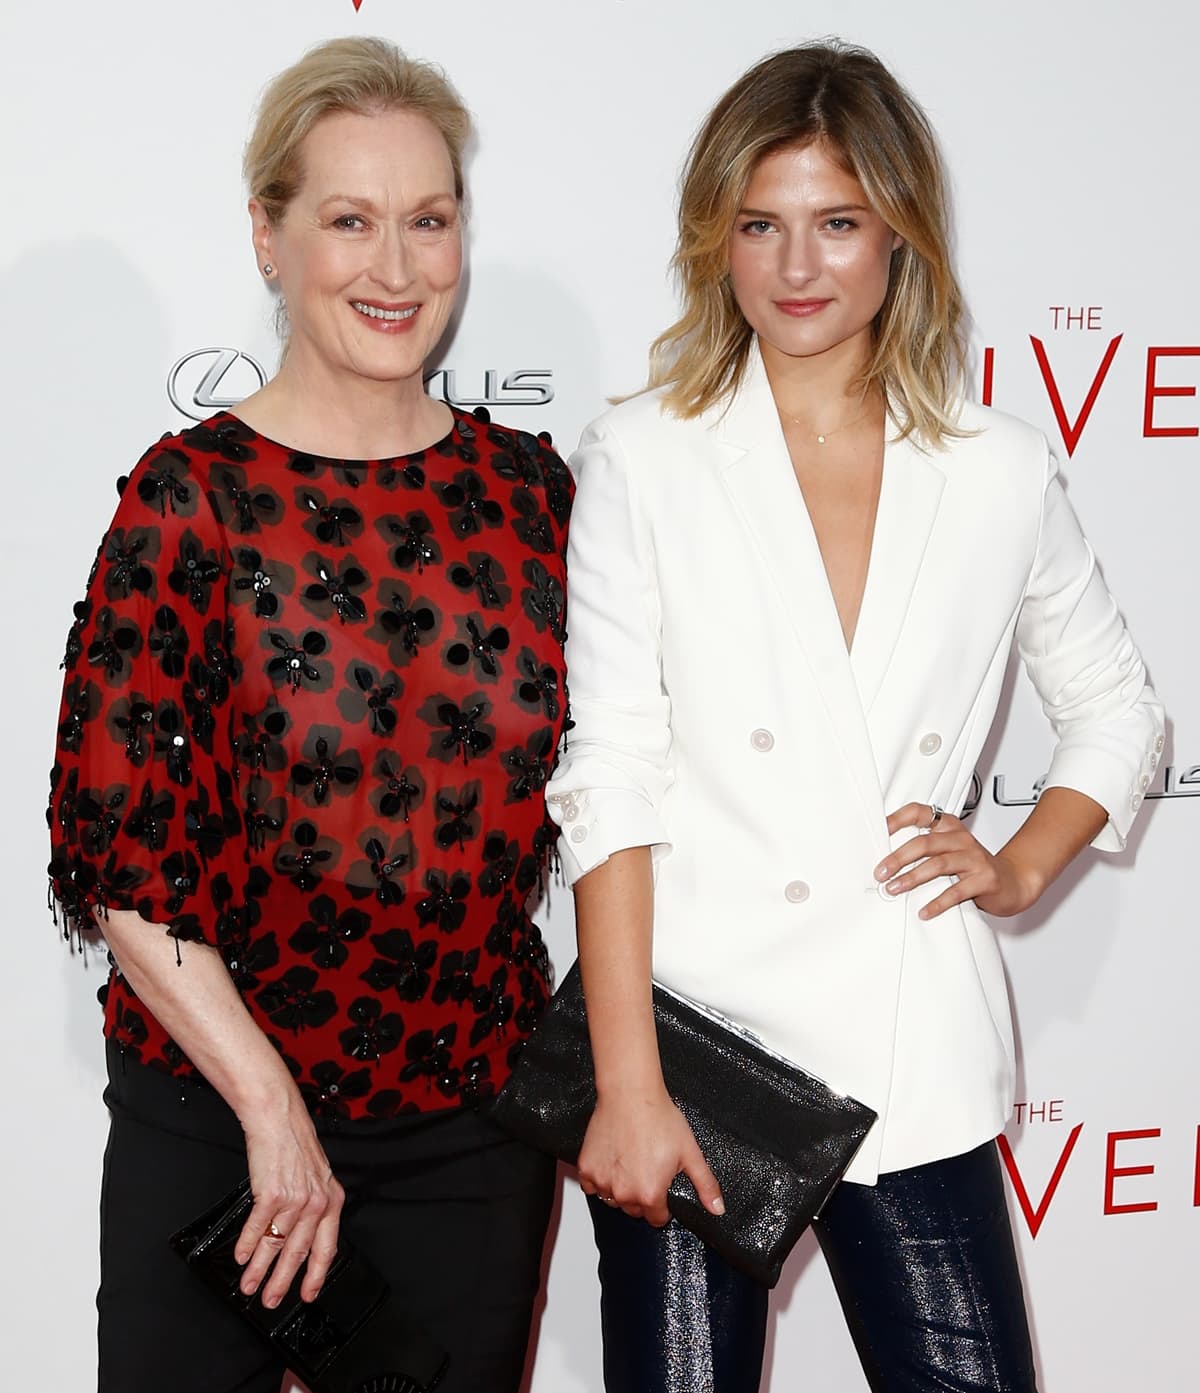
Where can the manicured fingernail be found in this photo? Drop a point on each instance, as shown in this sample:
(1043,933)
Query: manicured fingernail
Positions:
(881,872)
(718,1205)
(270,1302)
(894,888)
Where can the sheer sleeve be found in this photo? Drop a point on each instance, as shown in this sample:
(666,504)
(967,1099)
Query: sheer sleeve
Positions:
(142,810)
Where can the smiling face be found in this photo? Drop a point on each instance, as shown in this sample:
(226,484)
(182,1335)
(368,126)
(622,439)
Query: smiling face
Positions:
(369,251)
(809,257)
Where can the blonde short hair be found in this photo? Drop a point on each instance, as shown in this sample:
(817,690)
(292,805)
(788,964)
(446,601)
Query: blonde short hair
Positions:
(843,97)
(361,75)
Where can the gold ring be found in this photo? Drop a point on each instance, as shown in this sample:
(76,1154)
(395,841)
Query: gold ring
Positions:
(273,1232)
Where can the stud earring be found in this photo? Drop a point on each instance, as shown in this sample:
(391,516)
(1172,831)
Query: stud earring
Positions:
(268,269)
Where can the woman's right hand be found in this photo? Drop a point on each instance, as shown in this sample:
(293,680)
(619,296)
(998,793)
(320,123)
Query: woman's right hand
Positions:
(290,1177)
(294,1189)
(635,1145)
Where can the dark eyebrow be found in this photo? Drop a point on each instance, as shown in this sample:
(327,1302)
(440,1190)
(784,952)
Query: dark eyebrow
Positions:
(821,212)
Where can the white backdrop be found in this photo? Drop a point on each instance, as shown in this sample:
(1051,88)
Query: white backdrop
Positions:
(1070,131)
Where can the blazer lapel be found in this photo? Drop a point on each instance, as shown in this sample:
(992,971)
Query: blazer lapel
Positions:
(908,504)
(762,486)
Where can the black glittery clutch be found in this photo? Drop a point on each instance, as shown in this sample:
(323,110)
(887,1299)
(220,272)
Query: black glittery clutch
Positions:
(777,1139)
(354,1338)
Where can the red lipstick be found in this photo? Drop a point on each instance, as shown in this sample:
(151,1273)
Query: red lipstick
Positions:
(801,309)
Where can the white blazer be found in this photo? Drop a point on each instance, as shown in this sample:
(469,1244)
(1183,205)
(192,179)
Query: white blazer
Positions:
(720,720)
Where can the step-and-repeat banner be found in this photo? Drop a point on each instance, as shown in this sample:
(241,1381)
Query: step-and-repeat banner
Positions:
(129,303)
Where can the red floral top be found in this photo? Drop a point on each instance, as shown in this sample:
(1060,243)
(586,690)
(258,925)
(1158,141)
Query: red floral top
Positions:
(309,711)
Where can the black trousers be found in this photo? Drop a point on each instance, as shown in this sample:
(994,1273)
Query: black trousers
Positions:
(451,1210)
(923,1263)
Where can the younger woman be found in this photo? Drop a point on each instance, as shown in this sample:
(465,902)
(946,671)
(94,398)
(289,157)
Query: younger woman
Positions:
(786,649)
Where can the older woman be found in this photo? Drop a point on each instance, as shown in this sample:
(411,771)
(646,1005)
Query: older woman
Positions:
(785,657)
(312,699)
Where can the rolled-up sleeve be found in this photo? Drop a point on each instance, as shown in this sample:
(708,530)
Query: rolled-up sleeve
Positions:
(1088,673)
(607,791)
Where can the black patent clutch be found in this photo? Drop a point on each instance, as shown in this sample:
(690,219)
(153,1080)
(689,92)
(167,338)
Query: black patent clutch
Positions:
(354,1338)
(777,1139)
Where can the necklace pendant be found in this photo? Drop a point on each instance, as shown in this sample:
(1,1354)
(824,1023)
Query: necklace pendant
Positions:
(820,440)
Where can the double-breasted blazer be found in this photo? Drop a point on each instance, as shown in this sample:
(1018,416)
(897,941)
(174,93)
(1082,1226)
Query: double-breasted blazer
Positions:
(720,720)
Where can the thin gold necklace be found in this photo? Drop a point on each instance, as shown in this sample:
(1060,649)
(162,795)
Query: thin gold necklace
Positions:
(821,438)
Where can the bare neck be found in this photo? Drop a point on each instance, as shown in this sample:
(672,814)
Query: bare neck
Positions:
(345,416)
(818,392)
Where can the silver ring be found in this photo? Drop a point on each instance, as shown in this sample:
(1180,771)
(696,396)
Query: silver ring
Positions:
(936,816)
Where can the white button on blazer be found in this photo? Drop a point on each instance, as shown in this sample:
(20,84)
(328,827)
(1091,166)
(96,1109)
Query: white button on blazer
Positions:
(699,610)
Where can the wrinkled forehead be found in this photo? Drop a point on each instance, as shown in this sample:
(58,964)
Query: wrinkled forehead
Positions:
(394,151)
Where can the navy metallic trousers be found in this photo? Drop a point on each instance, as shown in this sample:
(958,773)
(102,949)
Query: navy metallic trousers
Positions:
(923,1263)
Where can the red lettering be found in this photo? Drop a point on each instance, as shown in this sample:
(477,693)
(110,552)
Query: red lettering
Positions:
(989,367)
(1071,431)
(1086,317)
(1196,1188)
(1112,1172)
(1154,391)
(1034,1217)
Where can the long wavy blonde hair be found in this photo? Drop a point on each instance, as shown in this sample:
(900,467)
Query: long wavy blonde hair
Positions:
(845,98)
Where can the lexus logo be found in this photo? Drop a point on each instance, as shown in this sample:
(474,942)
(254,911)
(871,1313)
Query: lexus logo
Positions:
(212,379)
(521,387)
(974,795)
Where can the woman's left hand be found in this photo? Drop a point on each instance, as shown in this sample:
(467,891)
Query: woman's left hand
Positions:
(944,847)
